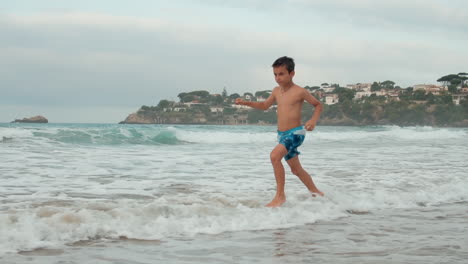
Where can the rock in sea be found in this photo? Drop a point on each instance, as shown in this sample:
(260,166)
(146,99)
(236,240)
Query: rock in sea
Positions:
(34,119)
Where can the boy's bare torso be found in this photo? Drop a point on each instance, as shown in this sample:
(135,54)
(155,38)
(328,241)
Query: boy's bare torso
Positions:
(289,103)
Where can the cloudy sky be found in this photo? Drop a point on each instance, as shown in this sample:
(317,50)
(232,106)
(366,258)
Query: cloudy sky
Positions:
(99,60)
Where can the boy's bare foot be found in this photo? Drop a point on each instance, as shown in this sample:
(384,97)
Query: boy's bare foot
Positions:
(314,194)
(277,201)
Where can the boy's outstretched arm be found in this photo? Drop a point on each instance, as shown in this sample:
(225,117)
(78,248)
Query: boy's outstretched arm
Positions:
(258,105)
(310,125)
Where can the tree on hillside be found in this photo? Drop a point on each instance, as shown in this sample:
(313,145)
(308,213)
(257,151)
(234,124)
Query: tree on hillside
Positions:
(464,79)
(216,99)
(202,94)
(452,88)
(181,95)
(164,104)
(188,97)
(264,94)
(345,94)
(388,84)
(464,105)
(185,97)
(375,87)
(419,95)
(234,96)
(311,89)
(446,80)
(224,94)
(406,94)
(454,79)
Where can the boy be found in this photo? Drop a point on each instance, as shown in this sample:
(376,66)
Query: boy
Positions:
(289,98)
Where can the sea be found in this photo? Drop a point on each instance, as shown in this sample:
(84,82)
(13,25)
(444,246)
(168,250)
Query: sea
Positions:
(109,193)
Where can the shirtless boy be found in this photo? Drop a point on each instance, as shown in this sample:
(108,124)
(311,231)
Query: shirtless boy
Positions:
(289,98)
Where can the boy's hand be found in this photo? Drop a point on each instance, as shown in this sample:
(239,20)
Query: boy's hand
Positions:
(310,125)
(239,101)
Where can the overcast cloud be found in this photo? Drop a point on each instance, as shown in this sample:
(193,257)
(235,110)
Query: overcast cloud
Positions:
(97,61)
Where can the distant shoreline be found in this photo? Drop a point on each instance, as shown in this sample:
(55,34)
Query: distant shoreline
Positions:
(194,124)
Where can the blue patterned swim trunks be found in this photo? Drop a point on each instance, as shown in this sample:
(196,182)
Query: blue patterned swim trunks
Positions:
(292,139)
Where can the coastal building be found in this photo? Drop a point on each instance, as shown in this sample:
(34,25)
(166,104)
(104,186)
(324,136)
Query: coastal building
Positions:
(456,98)
(216,109)
(328,89)
(240,106)
(429,88)
(361,94)
(195,102)
(393,95)
(360,86)
(179,109)
(331,99)
(381,92)
(175,109)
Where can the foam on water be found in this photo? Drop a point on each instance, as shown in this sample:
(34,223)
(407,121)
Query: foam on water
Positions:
(390,133)
(84,182)
(182,210)
(57,222)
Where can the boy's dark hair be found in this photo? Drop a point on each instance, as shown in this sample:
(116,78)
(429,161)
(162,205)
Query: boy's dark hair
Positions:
(284,61)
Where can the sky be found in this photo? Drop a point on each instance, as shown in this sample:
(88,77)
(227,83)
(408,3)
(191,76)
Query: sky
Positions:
(96,61)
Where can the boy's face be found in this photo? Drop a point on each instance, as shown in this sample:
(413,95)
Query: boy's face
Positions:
(282,76)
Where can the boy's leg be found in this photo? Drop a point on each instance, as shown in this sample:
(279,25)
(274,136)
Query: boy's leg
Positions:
(275,156)
(297,170)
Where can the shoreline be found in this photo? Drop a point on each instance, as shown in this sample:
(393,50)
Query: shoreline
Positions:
(204,124)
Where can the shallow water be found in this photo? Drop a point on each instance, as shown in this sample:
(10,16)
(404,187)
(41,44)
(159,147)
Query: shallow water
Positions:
(80,193)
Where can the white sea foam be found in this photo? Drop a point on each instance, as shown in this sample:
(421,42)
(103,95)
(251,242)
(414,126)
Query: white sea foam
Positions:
(55,222)
(14,133)
(390,133)
(54,225)
(140,182)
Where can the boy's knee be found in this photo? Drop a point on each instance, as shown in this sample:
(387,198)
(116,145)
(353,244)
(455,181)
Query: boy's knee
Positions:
(275,157)
(296,170)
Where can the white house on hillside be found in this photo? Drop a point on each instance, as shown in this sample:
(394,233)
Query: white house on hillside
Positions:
(456,98)
(361,94)
(240,106)
(429,88)
(331,99)
(360,86)
(216,109)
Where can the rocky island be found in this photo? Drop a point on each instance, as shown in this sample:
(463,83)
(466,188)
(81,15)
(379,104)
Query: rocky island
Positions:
(34,119)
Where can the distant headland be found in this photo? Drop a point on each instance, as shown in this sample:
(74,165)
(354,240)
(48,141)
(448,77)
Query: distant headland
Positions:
(361,104)
(34,119)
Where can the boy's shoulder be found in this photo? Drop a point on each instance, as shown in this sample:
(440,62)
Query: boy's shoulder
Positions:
(299,87)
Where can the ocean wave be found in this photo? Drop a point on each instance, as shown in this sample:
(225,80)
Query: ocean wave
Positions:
(54,225)
(109,136)
(136,135)
(173,135)
(59,222)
